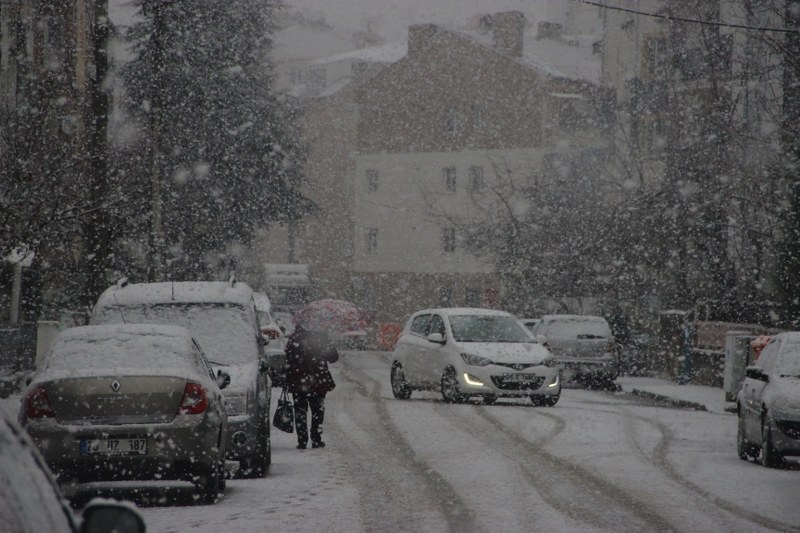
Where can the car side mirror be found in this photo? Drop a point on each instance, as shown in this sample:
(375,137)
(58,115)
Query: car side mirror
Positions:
(541,339)
(223,379)
(436,338)
(754,372)
(111,516)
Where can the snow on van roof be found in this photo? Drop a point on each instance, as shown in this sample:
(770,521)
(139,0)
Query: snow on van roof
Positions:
(178,291)
(574,318)
(262,301)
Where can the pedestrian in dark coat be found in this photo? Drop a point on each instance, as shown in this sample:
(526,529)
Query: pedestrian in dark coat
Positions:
(309,380)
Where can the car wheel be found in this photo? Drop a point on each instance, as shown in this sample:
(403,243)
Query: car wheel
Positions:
(450,387)
(770,457)
(209,484)
(400,388)
(489,399)
(545,400)
(744,448)
(257,465)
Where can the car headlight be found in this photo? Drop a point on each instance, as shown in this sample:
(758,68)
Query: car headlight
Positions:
(475,360)
(236,404)
(550,361)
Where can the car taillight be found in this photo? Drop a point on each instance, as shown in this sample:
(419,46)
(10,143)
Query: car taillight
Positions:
(194,400)
(37,404)
(271,333)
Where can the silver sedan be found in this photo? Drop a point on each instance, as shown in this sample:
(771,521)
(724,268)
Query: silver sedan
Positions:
(129,402)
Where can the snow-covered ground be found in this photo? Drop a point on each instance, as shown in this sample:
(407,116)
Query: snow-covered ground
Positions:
(597,461)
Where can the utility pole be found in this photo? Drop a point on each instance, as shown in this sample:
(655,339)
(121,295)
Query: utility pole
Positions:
(156,238)
(97,230)
(789,261)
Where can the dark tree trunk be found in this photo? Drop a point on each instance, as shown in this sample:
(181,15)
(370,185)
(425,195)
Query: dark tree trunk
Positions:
(97,230)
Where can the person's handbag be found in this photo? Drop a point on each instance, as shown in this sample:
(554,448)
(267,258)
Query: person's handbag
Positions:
(284,414)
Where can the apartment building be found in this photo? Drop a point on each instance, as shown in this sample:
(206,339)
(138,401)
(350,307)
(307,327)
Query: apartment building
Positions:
(409,153)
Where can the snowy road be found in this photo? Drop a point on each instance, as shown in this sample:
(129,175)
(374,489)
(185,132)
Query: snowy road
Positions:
(595,462)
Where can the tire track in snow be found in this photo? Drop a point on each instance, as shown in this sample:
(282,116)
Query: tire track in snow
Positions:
(548,472)
(659,459)
(437,489)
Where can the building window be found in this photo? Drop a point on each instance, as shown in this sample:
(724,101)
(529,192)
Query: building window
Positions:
(477,116)
(657,135)
(372,240)
(656,54)
(449,239)
(450,121)
(372,180)
(477,183)
(449,174)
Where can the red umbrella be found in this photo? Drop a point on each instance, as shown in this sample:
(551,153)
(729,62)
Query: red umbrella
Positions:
(333,316)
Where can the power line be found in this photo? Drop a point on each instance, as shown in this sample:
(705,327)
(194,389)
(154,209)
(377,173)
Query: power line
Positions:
(690,20)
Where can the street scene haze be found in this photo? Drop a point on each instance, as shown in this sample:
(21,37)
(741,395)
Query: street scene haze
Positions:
(399,265)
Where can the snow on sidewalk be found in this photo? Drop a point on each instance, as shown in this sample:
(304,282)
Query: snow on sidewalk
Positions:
(698,396)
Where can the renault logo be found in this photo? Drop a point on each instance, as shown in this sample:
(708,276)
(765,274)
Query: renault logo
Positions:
(115,386)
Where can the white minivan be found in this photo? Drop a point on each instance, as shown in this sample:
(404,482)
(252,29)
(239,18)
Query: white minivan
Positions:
(467,352)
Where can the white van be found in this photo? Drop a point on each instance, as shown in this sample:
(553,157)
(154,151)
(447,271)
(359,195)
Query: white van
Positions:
(222,317)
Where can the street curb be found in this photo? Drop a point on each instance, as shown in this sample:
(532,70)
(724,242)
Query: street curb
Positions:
(685,404)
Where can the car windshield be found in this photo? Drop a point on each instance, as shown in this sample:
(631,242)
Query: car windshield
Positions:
(578,328)
(221,329)
(788,363)
(487,328)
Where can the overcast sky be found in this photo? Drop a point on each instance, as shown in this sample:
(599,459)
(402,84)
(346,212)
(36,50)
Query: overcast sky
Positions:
(391,18)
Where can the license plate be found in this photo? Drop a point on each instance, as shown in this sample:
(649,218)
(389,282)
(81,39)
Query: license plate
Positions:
(113,446)
(519,378)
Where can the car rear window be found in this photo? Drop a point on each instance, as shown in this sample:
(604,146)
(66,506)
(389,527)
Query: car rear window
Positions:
(223,330)
(122,350)
(578,328)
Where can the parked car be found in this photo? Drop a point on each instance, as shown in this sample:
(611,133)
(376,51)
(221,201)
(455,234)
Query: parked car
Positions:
(469,352)
(768,403)
(222,317)
(275,338)
(285,321)
(129,402)
(33,502)
(530,323)
(584,347)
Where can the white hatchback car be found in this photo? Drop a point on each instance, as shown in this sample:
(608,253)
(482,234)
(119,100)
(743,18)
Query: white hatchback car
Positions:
(465,352)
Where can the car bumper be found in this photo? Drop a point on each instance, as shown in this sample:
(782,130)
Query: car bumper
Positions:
(494,380)
(586,366)
(786,437)
(185,447)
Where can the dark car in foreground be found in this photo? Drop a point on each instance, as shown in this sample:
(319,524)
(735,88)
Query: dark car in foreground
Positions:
(129,402)
(31,501)
(768,403)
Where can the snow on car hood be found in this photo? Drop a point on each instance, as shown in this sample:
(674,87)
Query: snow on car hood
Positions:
(507,352)
(243,377)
